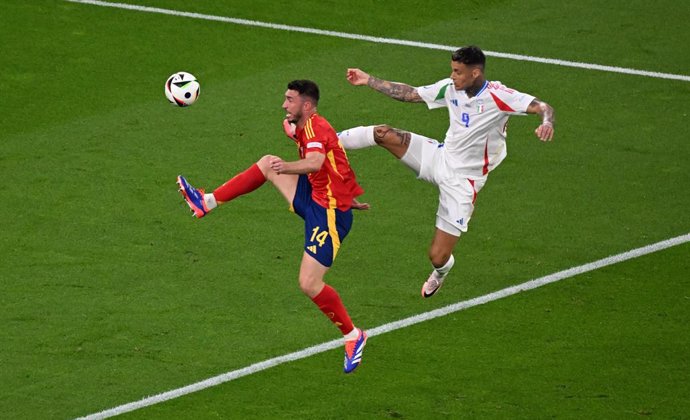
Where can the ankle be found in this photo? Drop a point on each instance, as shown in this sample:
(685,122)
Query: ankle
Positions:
(210,201)
(352,335)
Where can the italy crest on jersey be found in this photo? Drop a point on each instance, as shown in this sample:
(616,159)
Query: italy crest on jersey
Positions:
(480,106)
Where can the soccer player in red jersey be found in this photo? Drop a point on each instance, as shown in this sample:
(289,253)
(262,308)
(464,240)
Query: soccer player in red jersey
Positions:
(320,187)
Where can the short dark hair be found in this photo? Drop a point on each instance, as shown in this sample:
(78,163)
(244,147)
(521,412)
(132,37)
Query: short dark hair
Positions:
(470,56)
(306,88)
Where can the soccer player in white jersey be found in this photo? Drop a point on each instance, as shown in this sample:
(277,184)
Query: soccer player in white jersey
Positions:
(475,142)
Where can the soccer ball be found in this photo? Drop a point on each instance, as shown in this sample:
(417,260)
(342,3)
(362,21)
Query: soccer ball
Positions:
(182,89)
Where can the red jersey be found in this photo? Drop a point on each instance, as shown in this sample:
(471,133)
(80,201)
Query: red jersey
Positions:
(334,185)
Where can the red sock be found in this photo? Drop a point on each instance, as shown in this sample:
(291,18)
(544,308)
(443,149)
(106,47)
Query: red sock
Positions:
(330,304)
(242,183)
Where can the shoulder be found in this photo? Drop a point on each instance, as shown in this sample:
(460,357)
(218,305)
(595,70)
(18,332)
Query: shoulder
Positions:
(497,86)
(318,128)
(508,99)
(499,89)
(441,84)
(318,122)
(435,93)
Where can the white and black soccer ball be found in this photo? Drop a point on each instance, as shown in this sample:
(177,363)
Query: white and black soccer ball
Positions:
(182,89)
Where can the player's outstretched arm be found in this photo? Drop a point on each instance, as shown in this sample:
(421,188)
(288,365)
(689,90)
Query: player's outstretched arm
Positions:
(398,91)
(545,111)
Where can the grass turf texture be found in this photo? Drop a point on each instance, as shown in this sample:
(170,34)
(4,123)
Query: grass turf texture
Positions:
(111,292)
(595,346)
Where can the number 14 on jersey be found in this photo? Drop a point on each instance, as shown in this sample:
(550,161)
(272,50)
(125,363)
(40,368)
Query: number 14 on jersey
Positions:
(319,237)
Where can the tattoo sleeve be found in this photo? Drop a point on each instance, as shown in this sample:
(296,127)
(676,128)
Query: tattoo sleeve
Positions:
(543,109)
(398,91)
(402,136)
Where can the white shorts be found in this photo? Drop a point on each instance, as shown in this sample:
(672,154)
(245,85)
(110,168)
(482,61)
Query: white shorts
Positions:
(457,193)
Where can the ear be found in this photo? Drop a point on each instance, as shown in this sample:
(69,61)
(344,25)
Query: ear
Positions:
(476,72)
(308,105)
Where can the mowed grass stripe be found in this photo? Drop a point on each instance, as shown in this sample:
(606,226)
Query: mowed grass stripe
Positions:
(381,40)
(392,326)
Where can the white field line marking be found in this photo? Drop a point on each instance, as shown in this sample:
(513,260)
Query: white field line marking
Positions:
(392,326)
(381,40)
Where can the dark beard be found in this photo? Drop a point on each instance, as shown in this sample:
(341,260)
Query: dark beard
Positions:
(294,119)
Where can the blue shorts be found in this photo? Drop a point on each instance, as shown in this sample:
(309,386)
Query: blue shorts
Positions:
(324,229)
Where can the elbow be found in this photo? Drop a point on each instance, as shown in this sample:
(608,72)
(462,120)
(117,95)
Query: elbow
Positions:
(313,168)
(313,163)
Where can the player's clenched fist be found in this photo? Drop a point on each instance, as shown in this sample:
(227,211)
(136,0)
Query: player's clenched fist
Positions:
(544,132)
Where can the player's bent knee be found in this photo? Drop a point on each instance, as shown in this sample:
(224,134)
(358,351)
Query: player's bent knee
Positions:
(439,257)
(264,163)
(310,286)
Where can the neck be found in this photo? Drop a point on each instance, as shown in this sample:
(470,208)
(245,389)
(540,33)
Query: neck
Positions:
(475,88)
(305,117)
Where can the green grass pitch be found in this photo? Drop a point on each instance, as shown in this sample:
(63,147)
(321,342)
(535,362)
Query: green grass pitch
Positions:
(111,292)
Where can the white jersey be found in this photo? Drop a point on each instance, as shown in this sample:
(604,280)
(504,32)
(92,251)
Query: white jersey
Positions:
(475,142)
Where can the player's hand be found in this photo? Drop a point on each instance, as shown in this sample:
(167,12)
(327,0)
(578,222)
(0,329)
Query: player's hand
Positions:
(356,205)
(277,164)
(357,77)
(544,132)
(290,129)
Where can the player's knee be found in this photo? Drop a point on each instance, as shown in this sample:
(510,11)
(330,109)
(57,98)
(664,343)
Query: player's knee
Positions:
(439,257)
(264,162)
(264,165)
(309,285)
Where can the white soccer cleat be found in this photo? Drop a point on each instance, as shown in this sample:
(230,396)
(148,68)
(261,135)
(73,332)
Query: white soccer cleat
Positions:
(432,285)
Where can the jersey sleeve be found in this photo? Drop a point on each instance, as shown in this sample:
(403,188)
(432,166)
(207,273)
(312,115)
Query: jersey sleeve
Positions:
(435,95)
(314,145)
(314,138)
(510,100)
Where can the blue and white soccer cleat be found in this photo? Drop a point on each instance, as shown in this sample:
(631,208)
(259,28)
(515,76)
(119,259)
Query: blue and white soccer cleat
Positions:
(194,197)
(353,351)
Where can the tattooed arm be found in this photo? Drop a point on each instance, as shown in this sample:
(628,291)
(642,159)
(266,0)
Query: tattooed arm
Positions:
(545,111)
(398,91)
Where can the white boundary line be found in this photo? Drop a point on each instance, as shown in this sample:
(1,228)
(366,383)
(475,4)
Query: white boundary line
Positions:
(381,40)
(392,326)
